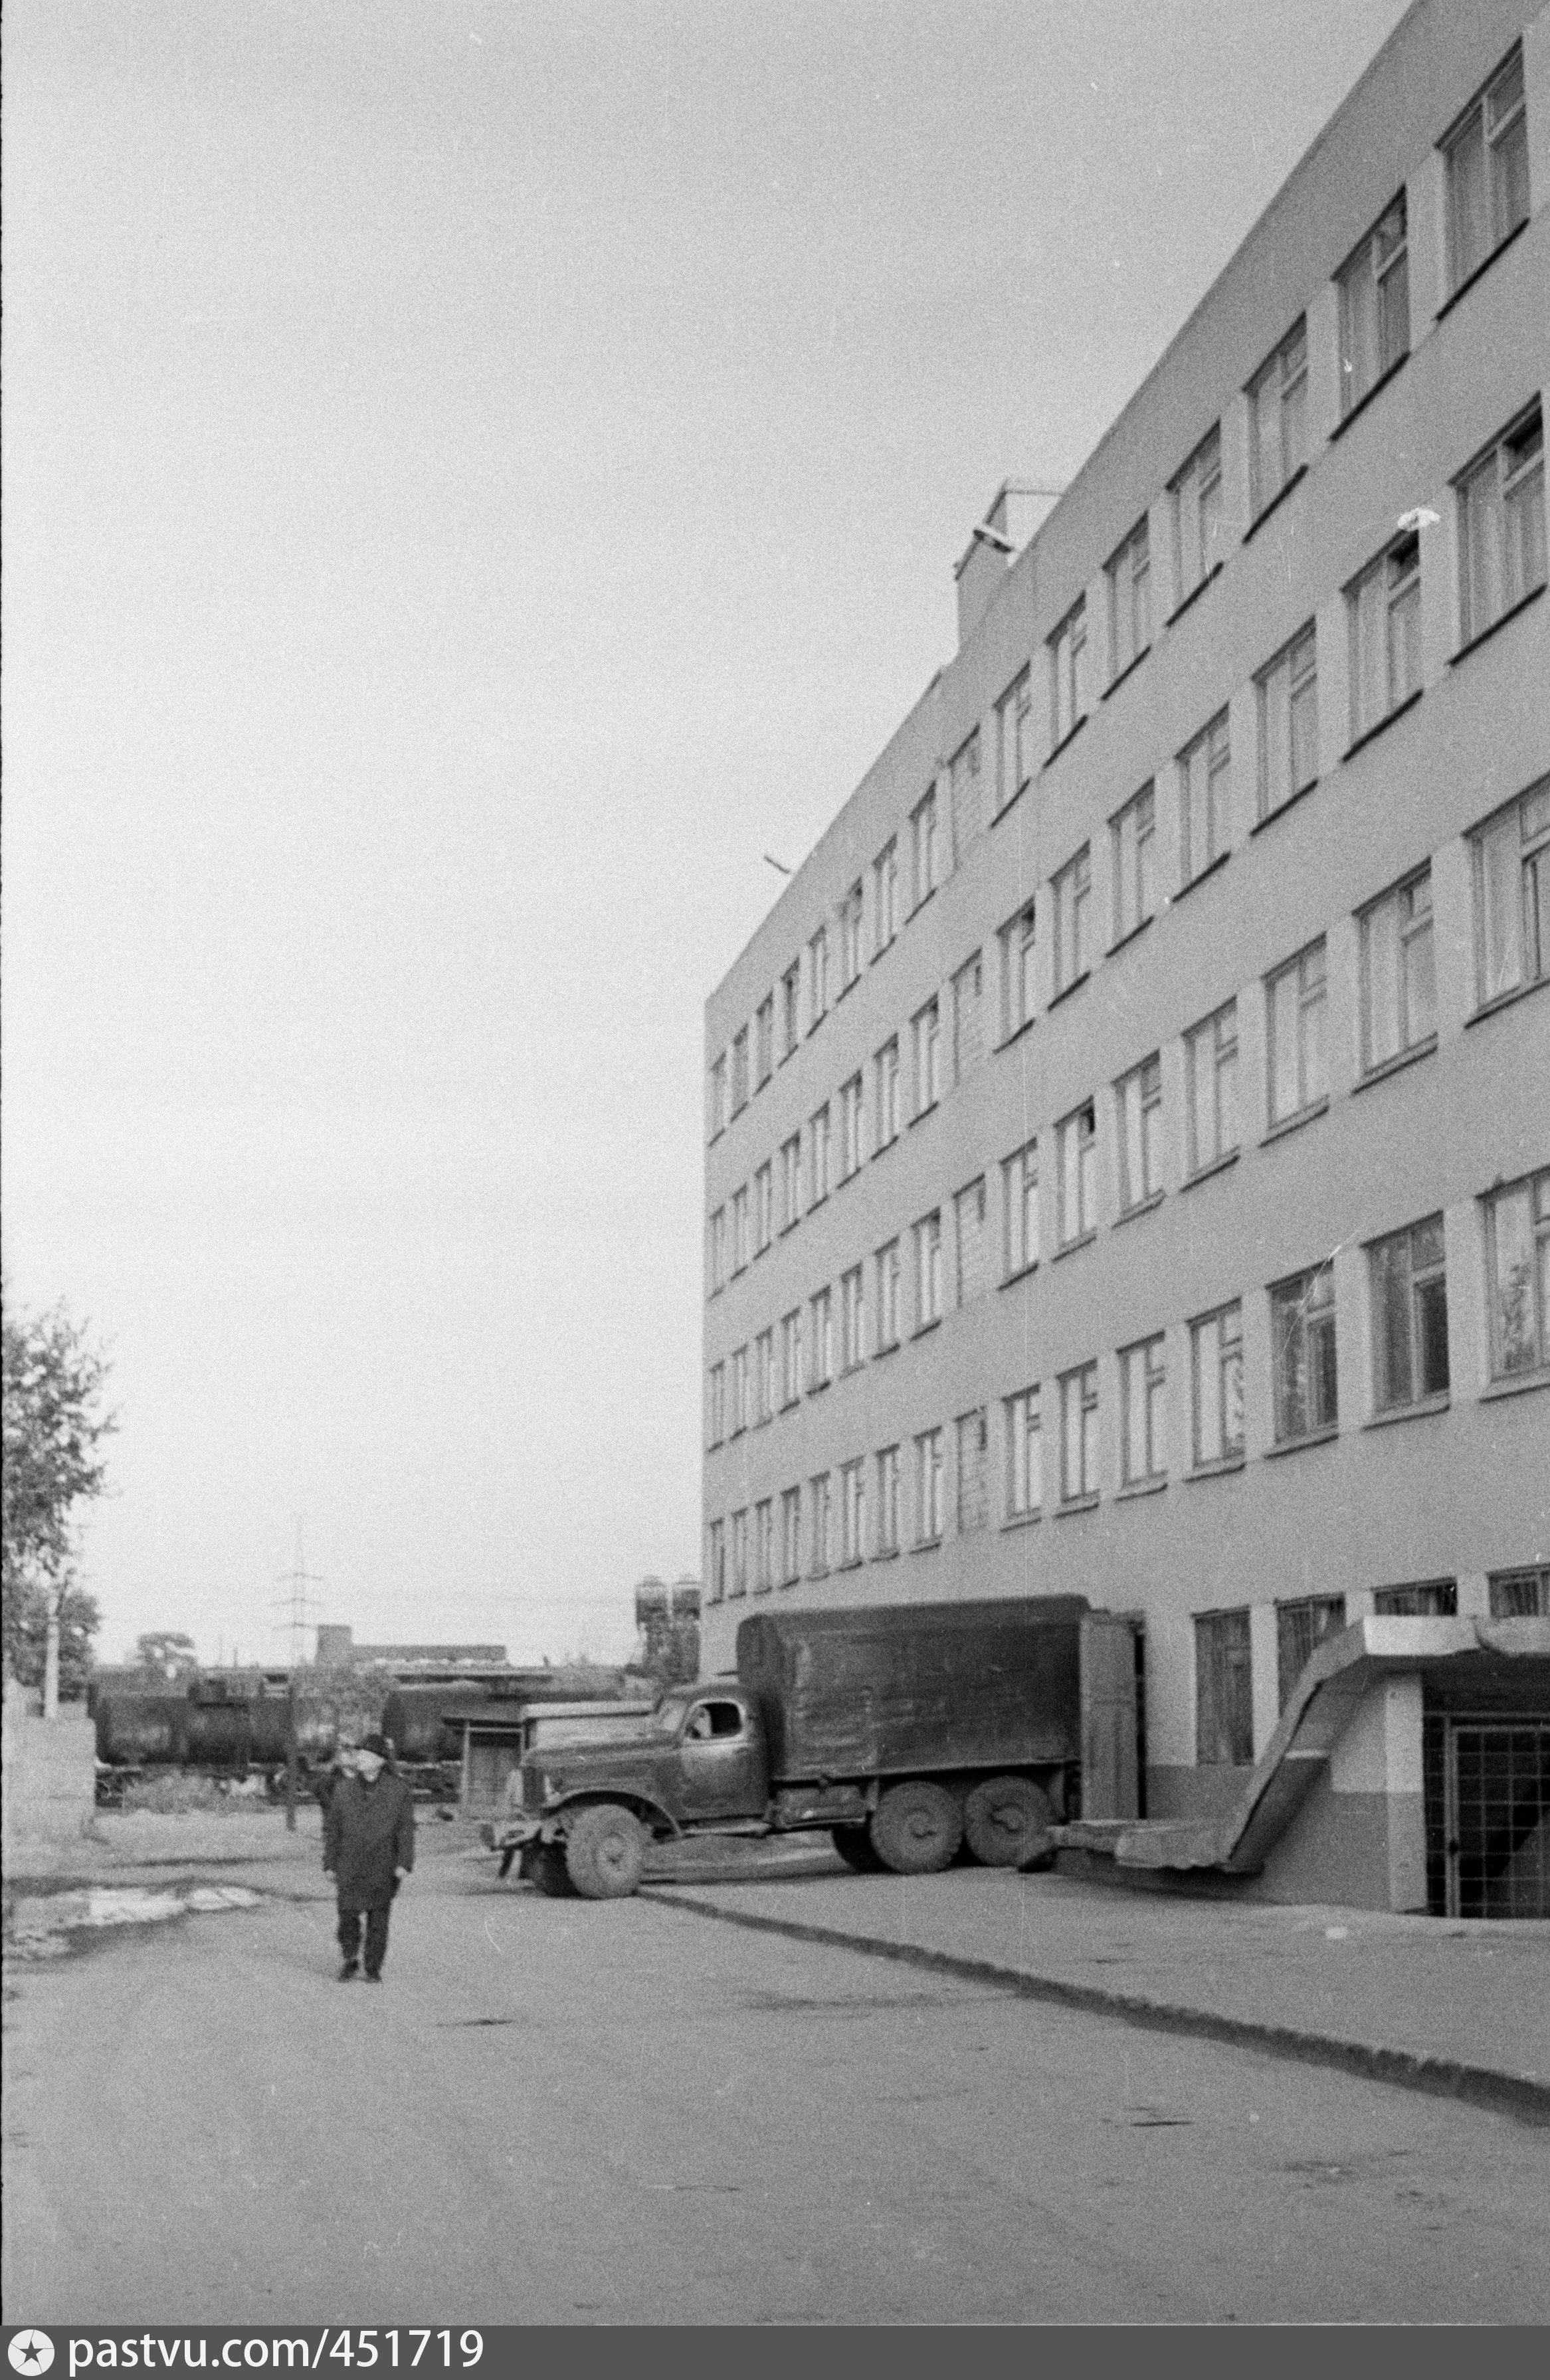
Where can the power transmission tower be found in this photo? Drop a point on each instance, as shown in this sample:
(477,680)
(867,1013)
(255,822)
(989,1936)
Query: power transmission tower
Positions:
(297,1605)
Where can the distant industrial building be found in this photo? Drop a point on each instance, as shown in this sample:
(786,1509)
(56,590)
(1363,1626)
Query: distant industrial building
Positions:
(1129,1134)
(336,1643)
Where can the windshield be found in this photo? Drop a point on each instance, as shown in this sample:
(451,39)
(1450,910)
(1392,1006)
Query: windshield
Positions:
(668,1717)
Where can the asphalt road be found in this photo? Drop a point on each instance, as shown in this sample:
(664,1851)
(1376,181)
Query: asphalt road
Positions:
(553,2111)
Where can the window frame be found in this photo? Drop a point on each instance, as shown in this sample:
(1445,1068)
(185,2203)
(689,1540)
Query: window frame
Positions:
(1534,1187)
(1222,1026)
(1383,596)
(1014,740)
(1517,503)
(1081,1383)
(1409,934)
(1071,893)
(1226,1365)
(1069,701)
(1312,1044)
(925,847)
(1084,1172)
(1294,1296)
(1495,231)
(929,1269)
(1212,748)
(1287,367)
(1020,1188)
(889,1261)
(1024,1471)
(1369,264)
(1224,1689)
(1190,482)
(1144,1083)
(1298,662)
(885,896)
(1132,832)
(930,1486)
(1529,913)
(889,1500)
(1128,582)
(1424,1271)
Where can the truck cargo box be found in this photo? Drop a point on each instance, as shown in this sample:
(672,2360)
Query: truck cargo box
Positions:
(905,1687)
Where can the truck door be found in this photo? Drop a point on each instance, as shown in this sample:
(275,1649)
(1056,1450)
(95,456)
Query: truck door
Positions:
(722,1754)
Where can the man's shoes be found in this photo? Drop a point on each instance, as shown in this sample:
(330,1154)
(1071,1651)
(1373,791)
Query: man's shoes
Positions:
(349,1970)
(373,1975)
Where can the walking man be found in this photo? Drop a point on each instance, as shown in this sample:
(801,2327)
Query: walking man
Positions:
(369,1840)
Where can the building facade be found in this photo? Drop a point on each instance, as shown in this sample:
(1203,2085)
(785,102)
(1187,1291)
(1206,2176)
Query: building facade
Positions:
(1128,1163)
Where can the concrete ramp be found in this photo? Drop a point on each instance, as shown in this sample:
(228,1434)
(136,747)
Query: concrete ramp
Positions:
(1325,1699)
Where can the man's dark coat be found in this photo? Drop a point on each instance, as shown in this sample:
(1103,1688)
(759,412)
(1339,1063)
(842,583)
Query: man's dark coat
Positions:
(368,1831)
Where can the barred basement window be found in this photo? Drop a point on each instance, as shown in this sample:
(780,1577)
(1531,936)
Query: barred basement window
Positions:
(1301,1628)
(1224,1691)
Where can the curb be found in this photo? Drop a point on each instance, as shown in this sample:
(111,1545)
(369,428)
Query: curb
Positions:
(1518,2095)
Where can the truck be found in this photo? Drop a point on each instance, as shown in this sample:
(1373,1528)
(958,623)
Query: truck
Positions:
(908,1730)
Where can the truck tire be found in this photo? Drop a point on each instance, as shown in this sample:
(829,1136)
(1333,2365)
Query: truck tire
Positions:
(550,1876)
(605,1852)
(857,1849)
(916,1828)
(1006,1820)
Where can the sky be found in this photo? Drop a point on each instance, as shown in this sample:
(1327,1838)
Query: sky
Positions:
(478,475)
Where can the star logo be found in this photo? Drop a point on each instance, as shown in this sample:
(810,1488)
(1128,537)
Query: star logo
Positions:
(30,2350)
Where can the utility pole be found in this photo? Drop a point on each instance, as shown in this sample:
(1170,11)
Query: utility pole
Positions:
(298,1602)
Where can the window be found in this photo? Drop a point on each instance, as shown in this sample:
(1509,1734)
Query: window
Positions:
(1517,1266)
(927,1058)
(739,1392)
(1013,740)
(1068,674)
(1410,1316)
(928,1487)
(964,791)
(716,1405)
(1301,1628)
(1223,1690)
(818,1156)
(852,1318)
(928,856)
(1078,1143)
(719,1096)
(1383,611)
(850,936)
(1134,852)
(1302,1352)
(742,1236)
(716,1249)
(1279,419)
(1079,1434)
(1431,1598)
(850,1127)
(791,985)
(852,1512)
(973,1256)
(1375,307)
(764,1547)
(791,1536)
(929,1269)
(887,1500)
(764,1375)
(740,1072)
(764,1040)
(1024,1456)
(821,1505)
(1288,694)
(764,1208)
(1399,978)
(1196,497)
(1521,1595)
(1511,862)
(1072,893)
(885,895)
(1295,997)
(790,1357)
(1501,528)
(817,978)
(968,1027)
(822,1351)
(739,1553)
(716,1559)
(1138,1105)
(1017,971)
(791,1181)
(889,1271)
(887,1063)
(1020,1207)
(1216,1386)
(973,1429)
(1143,1425)
(1211,1072)
(1486,158)
(1205,800)
(1129,573)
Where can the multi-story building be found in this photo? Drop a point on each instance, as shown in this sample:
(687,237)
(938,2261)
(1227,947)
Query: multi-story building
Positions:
(1129,1132)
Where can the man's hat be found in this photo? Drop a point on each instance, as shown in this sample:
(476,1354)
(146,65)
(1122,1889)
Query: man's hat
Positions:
(377,1743)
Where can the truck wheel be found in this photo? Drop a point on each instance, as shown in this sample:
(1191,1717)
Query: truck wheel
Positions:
(550,1874)
(856,1847)
(916,1828)
(1005,1820)
(605,1852)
